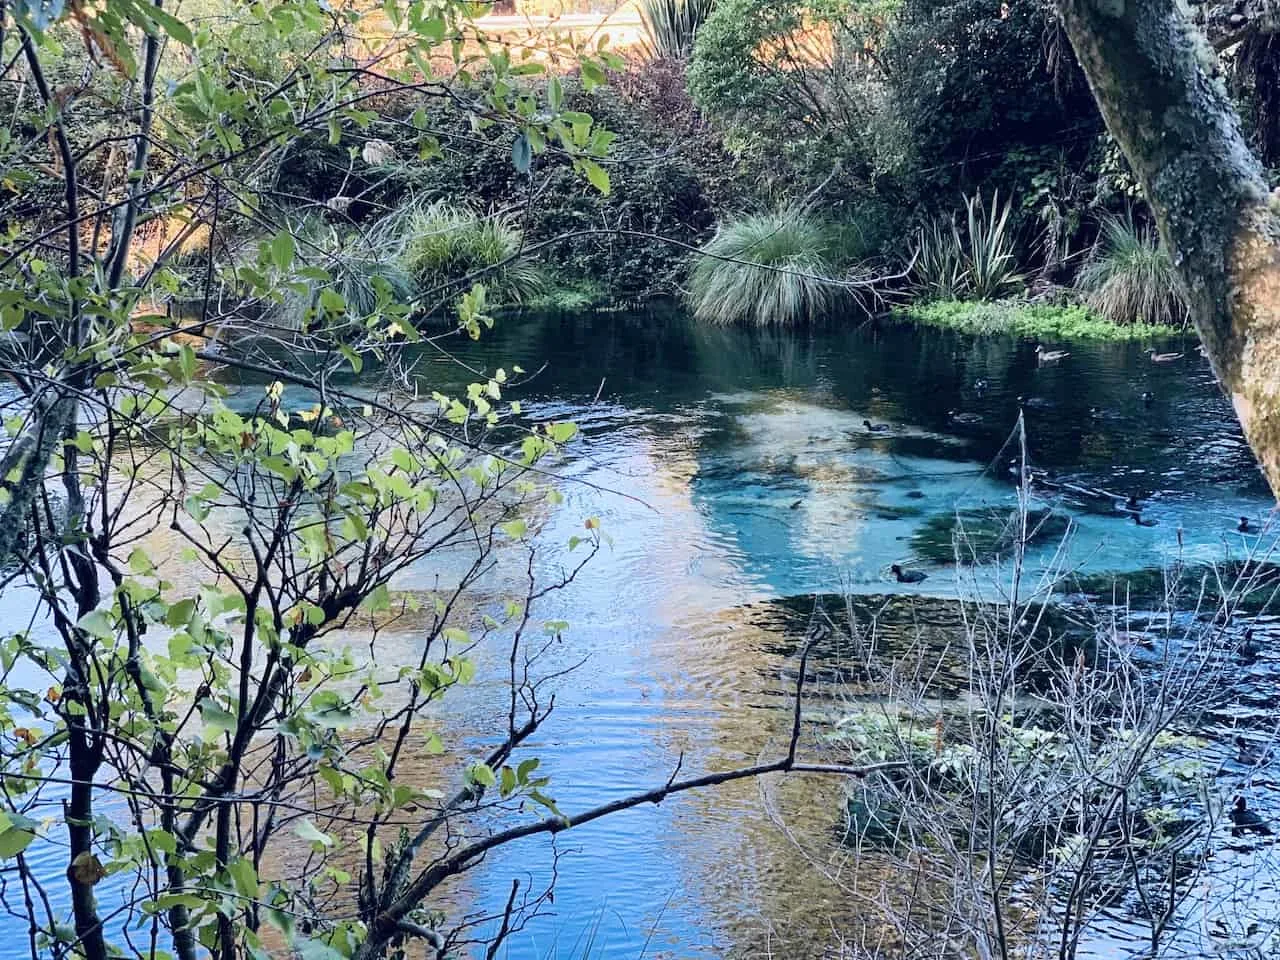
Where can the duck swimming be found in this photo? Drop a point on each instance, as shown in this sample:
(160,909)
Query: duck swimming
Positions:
(908,576)
(1245,820)
(980,386)
(1148,398)
(1246,754)
(1243,526)
(875,427)
(964,418)
(1162,357)
(1137,518)
(1038,403)
(1050,356)
(1249,649)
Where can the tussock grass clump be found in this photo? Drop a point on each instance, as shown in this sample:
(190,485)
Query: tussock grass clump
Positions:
(443,245)
(1131,278)
(767,268)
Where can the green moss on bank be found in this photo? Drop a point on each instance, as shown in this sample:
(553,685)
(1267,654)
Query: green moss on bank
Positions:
(571,296)
(1028,320)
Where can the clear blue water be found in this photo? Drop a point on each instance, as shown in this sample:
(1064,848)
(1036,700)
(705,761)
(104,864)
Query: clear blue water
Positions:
(736,473)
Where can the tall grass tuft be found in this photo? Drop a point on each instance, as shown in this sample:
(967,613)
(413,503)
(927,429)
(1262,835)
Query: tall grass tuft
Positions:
(976,262)
(1130,277)
(768,268)
(442,245)
(670,26)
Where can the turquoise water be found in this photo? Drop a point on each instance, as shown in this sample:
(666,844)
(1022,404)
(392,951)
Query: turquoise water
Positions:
(759,482)
(736,480)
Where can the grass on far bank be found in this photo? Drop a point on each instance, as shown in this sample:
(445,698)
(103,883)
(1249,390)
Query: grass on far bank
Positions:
(1029,320)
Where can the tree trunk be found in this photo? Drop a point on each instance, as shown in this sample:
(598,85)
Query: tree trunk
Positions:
(1158,85)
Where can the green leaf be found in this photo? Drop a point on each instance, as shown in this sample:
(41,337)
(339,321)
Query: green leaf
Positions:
(187,362)
(215,718)
(352,357)
(562,432)
(522,154)
(245,877)
(170,25)
(17,835)
(140,563)
(309,832)
(592,75)
(540,798)
(515,529)
(482,774)
(283,249)
(596,175)
(98,623)
(179,615)
(191,901)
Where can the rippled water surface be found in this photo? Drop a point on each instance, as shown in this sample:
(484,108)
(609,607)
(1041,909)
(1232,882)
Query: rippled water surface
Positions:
(735,477)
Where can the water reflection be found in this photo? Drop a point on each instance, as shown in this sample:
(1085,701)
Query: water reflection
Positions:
(756,486)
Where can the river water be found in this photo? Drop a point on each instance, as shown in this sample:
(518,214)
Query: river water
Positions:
(737,482)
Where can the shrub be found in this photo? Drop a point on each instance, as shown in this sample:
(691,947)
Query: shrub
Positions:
(793,87)
(766,268)
(666,193)
(974,84)
(1131,276)
(977,262)
(671,25)
(443,245)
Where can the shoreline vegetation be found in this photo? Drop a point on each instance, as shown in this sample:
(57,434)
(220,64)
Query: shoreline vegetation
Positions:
(1019,318)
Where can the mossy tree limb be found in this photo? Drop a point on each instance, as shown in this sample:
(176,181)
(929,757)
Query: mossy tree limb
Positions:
(1158,86)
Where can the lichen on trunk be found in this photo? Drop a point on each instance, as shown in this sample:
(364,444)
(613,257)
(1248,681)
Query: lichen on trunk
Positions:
(1160,89)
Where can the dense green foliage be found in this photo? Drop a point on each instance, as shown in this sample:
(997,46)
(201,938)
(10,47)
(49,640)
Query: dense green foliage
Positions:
(629,236)
(798,97)
(988,96)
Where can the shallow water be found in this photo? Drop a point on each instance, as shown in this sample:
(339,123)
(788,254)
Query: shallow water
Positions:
(762,483)
(749,479)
